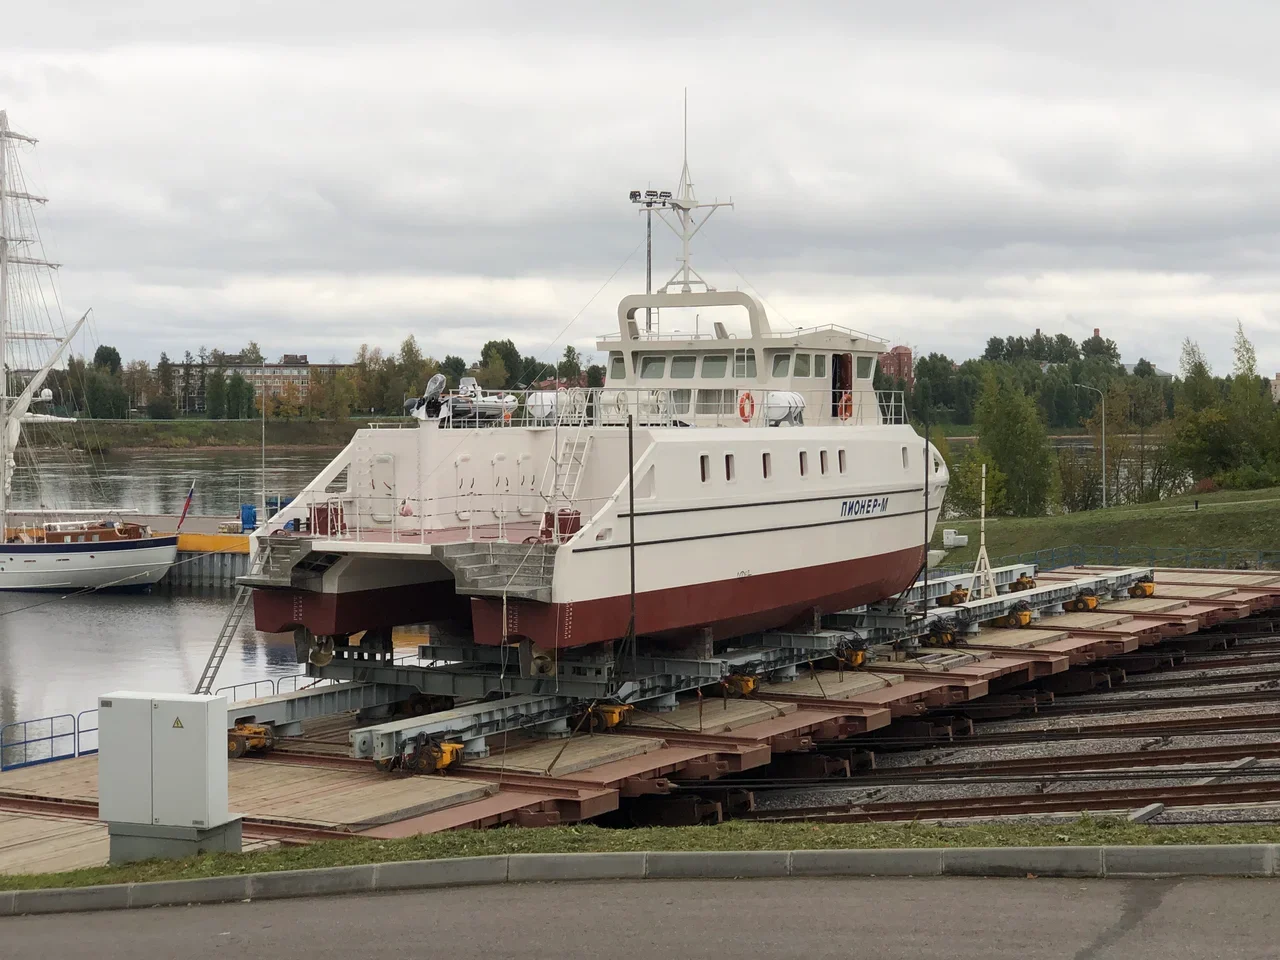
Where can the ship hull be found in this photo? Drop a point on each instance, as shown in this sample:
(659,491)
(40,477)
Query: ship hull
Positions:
(728,608)
(118,565)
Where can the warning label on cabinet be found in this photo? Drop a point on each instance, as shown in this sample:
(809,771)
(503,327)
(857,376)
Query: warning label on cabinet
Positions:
(177,723)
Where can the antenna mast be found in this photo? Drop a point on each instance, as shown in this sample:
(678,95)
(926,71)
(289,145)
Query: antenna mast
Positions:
(683,205)
(982,586)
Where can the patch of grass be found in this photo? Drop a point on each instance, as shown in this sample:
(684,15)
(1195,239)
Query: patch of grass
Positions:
(735,835)
(1232,519)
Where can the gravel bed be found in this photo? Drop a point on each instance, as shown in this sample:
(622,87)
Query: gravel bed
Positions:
(1140,715)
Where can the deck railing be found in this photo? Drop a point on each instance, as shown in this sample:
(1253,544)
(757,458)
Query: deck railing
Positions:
(701,404)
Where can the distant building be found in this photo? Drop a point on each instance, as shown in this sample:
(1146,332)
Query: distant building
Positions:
(897,363)
(1162,374)
(1275,388)
(293,368)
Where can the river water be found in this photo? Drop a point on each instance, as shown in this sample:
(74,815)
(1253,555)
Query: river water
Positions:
(59,655)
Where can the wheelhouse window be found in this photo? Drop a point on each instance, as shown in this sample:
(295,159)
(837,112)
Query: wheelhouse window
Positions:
(716,402)
(652,368)
(617,368)
(781,364)
(715,366)
(744,363)
(819,364)
(865,367)
(683,368)
(802,365)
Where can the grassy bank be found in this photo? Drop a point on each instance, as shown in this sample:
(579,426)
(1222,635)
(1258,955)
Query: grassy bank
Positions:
(106,435)
(1232,519)
(738,835)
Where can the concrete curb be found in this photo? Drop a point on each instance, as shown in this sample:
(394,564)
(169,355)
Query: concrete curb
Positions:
(1232,860)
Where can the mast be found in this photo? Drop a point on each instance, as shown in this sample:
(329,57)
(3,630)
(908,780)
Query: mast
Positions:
(683,206)
(14,409)
(4,324)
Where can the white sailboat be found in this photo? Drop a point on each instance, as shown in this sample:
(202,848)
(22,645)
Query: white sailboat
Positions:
(64,549)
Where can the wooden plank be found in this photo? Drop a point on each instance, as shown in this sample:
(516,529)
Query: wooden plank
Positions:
(712,716)
(581,753)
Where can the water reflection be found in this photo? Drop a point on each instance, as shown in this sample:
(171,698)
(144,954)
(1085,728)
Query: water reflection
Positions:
(157,481)
(58,656)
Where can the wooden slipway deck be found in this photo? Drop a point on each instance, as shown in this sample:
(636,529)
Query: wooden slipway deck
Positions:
(346,798)
(311,787)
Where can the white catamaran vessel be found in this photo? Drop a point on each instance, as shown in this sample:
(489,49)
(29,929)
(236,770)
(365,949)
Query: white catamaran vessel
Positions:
(714,487)
(50,548)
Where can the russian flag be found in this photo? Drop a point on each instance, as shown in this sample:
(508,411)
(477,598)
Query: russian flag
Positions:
(187,505)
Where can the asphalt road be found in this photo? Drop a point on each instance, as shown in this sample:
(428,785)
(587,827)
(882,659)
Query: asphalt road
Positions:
(946,919)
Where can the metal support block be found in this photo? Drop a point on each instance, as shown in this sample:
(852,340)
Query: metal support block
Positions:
(384,741)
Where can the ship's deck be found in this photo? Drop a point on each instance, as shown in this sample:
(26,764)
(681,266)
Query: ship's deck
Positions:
(517,532)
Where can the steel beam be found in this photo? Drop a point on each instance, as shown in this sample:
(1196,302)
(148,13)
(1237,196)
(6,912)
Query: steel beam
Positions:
(286,712)
(472,722)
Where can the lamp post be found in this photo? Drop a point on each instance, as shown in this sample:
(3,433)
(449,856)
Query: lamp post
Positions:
(650,199)
(1085,386)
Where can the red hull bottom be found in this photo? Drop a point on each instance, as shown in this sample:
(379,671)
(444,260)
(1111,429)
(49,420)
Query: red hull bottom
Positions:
(328,614)
(729,608)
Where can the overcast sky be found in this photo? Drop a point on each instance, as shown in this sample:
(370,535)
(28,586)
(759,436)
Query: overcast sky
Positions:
(314,175)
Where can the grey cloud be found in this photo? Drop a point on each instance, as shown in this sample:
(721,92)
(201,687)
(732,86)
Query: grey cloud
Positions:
(931,157)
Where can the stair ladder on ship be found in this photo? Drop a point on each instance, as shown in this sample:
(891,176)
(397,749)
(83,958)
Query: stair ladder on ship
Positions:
(567,475)
(229,627)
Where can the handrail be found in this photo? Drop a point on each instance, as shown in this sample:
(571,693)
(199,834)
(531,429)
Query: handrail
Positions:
(253,685)
(81,730)
(9,745)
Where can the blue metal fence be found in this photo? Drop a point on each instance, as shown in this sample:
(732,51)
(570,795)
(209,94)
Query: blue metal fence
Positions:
(25,743)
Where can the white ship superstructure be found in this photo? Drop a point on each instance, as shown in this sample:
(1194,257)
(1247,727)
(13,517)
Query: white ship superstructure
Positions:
(771,483)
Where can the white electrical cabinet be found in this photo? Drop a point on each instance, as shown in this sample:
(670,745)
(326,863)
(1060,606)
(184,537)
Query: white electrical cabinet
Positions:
(162,759)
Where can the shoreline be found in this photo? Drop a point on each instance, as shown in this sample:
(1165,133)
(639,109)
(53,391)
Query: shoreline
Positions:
(231,448)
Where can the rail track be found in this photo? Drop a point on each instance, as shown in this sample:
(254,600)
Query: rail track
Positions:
(1167,762)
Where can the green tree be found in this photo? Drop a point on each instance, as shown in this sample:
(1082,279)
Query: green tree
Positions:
(491,375)
(252,353)
(570,366)
(1197,390)
(511,360)
(1100,348)
(454,368)
(239,397)
(1010,429)
(595,375)
(964,493)
(160,407)
(105,397)
(215,394)
(412,366)
(164,375)
(107,359)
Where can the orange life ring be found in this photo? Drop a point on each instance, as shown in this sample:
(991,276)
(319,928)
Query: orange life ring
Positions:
(746,406)
(846,406)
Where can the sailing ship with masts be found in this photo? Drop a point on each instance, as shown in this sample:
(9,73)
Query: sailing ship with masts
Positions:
(63,548)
